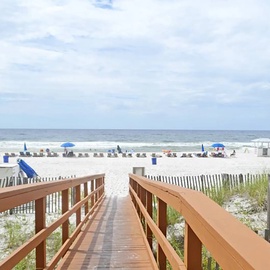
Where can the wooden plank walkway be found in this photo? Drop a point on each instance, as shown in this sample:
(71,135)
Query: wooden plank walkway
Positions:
(114,239)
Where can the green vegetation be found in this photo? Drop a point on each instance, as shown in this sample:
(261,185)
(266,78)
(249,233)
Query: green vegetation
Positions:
(19,229)
(254,191)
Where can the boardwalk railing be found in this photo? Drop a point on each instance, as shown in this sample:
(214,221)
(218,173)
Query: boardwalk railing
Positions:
(53,201)
(232,244)
(89,191)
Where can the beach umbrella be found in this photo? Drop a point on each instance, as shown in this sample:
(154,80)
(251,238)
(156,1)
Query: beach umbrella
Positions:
(27,169)
(216,145)
(24,147)
(67,144)
(202,148)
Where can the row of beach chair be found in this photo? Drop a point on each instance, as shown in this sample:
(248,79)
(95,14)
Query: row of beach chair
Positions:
(115,155)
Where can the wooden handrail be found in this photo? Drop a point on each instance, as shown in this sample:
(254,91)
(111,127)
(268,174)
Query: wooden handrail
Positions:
(10,197)
(232,244)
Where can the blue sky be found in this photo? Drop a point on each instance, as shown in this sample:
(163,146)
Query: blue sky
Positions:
(156,64)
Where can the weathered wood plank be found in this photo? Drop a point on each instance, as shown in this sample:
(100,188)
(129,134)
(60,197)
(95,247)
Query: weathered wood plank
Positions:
(113,239)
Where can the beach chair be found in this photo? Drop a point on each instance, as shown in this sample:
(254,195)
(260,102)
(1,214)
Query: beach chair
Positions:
(101,154)
(174,154)
(55,154)
(22,154)
(153,155)
(124,155)
(95,155)
(109,154)
(143,155)
(138,155)
(71,154)
(86,154)
(115,155)
(28,154)
(80,155)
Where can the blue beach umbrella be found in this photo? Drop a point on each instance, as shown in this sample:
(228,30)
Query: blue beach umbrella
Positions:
(67,144)
(24,147)
(215,145)
(26,168)
(202,148)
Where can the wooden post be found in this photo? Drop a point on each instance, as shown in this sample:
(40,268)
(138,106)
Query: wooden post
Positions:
(241,179)
(78,198)
(40,220)
(94,196)
(193,249)
(162,224)
(149,208)
(202,184)
(143,200)
(86,205)
(65,229)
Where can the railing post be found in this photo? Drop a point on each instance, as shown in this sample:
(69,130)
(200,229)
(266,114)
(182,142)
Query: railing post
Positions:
(78,198)
(103,181)
(40,224)
(94,196)
(85,193)
(192,250)
(162,224)
(143,200)
(99,185)
(149,208)
(140,197)
(65,206)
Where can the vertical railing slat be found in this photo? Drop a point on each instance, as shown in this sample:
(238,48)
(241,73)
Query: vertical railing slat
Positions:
(193,249)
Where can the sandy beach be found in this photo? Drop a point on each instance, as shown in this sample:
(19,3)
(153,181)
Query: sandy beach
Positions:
(117,169)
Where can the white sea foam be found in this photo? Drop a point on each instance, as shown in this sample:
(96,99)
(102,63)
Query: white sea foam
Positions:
(17,146)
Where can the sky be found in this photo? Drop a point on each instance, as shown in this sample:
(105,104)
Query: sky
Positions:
(142,64)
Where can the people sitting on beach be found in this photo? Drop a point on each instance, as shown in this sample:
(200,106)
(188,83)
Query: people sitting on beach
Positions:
(119,149)
(233,154)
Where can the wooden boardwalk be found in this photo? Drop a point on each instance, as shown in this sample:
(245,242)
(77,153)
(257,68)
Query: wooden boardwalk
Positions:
(113,239)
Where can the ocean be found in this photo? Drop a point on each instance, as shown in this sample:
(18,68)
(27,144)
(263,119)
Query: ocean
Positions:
(97,140)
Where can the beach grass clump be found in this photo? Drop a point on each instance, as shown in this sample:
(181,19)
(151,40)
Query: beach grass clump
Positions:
(258,191)
(16,231)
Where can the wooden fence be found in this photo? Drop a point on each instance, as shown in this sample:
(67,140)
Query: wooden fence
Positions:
(209,183)
(207,225)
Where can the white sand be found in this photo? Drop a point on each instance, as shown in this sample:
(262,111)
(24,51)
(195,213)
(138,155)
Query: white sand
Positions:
(117,169)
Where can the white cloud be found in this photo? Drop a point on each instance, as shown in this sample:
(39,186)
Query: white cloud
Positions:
(138,59)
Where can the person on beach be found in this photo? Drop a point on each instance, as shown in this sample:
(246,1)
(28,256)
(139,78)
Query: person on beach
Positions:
(119,149)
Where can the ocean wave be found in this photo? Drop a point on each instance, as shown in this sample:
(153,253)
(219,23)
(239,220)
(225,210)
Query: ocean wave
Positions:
(125,146)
